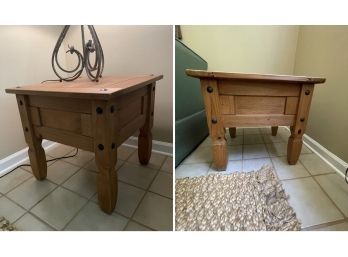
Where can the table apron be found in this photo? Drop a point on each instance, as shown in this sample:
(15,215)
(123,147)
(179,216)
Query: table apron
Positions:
(70,121)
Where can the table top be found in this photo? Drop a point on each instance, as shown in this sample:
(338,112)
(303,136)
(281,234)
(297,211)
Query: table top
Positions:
(107,87)
(254,76)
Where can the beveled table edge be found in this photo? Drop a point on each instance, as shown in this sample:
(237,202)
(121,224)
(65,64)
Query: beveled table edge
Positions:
(253,76)
(100,95)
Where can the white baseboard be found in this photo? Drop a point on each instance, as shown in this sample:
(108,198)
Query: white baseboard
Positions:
(20,157)
(157,146)
(331,159)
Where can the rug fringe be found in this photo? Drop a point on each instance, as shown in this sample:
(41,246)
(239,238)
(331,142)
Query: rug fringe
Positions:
(238,201)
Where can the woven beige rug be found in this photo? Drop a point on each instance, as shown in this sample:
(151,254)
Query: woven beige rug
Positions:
(5,225)
(239,201)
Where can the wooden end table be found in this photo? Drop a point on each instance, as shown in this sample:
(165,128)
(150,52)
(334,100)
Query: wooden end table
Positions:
(248,100)
(93,116)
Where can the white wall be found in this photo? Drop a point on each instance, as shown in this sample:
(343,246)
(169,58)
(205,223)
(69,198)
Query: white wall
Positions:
(323,51)
(254,49)
(136,50)
(25,57)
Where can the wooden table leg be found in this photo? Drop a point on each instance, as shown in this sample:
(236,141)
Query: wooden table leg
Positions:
(37,159)
(294,148)
(299,127)
(105,154)
(145,135)
(220,153)
(144,145)
(216,129)
(233,132)
(36,153)
(274,130)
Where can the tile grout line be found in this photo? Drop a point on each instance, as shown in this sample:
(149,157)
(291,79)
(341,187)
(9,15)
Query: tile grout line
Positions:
(19,183)
(18,206)
(337,207)
(41,220)
(60,185)
(313,177)
(310,174)
(137,222)
(323,225)
(28,211)
(89,200)
(322,189)
(73,217)
(118,213)
(158,170)
(146,191)
(297,178)
(32,176)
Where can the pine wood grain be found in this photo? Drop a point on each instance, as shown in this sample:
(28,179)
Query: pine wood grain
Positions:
(83,88)
(83,115)
(299,126)
(105,155)
(258,88)
(259,105)
(215,123)
(36,153)
(257,120)
(251,100)
(145,135)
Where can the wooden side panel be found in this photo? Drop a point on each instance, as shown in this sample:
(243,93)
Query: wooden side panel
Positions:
(257,120)
(227,104)
(35,116)
(130,129)
(74,122)
(61,103)
(67,138)
(61,120)
(131,106)
(291,105)
(258,88)
(131,111)
(86,124)
(259,105)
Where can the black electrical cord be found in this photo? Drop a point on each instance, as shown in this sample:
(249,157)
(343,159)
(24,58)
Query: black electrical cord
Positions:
(51,80)
(50,160)
(346,177)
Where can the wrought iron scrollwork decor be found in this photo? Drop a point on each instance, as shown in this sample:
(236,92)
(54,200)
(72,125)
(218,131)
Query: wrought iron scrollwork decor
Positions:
(94,71)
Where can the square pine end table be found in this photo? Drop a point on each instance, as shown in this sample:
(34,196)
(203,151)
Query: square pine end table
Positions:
(93,116)
(248,100)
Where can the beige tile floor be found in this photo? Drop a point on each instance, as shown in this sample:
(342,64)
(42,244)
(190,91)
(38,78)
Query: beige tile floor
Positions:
(67,199)
(318,195)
